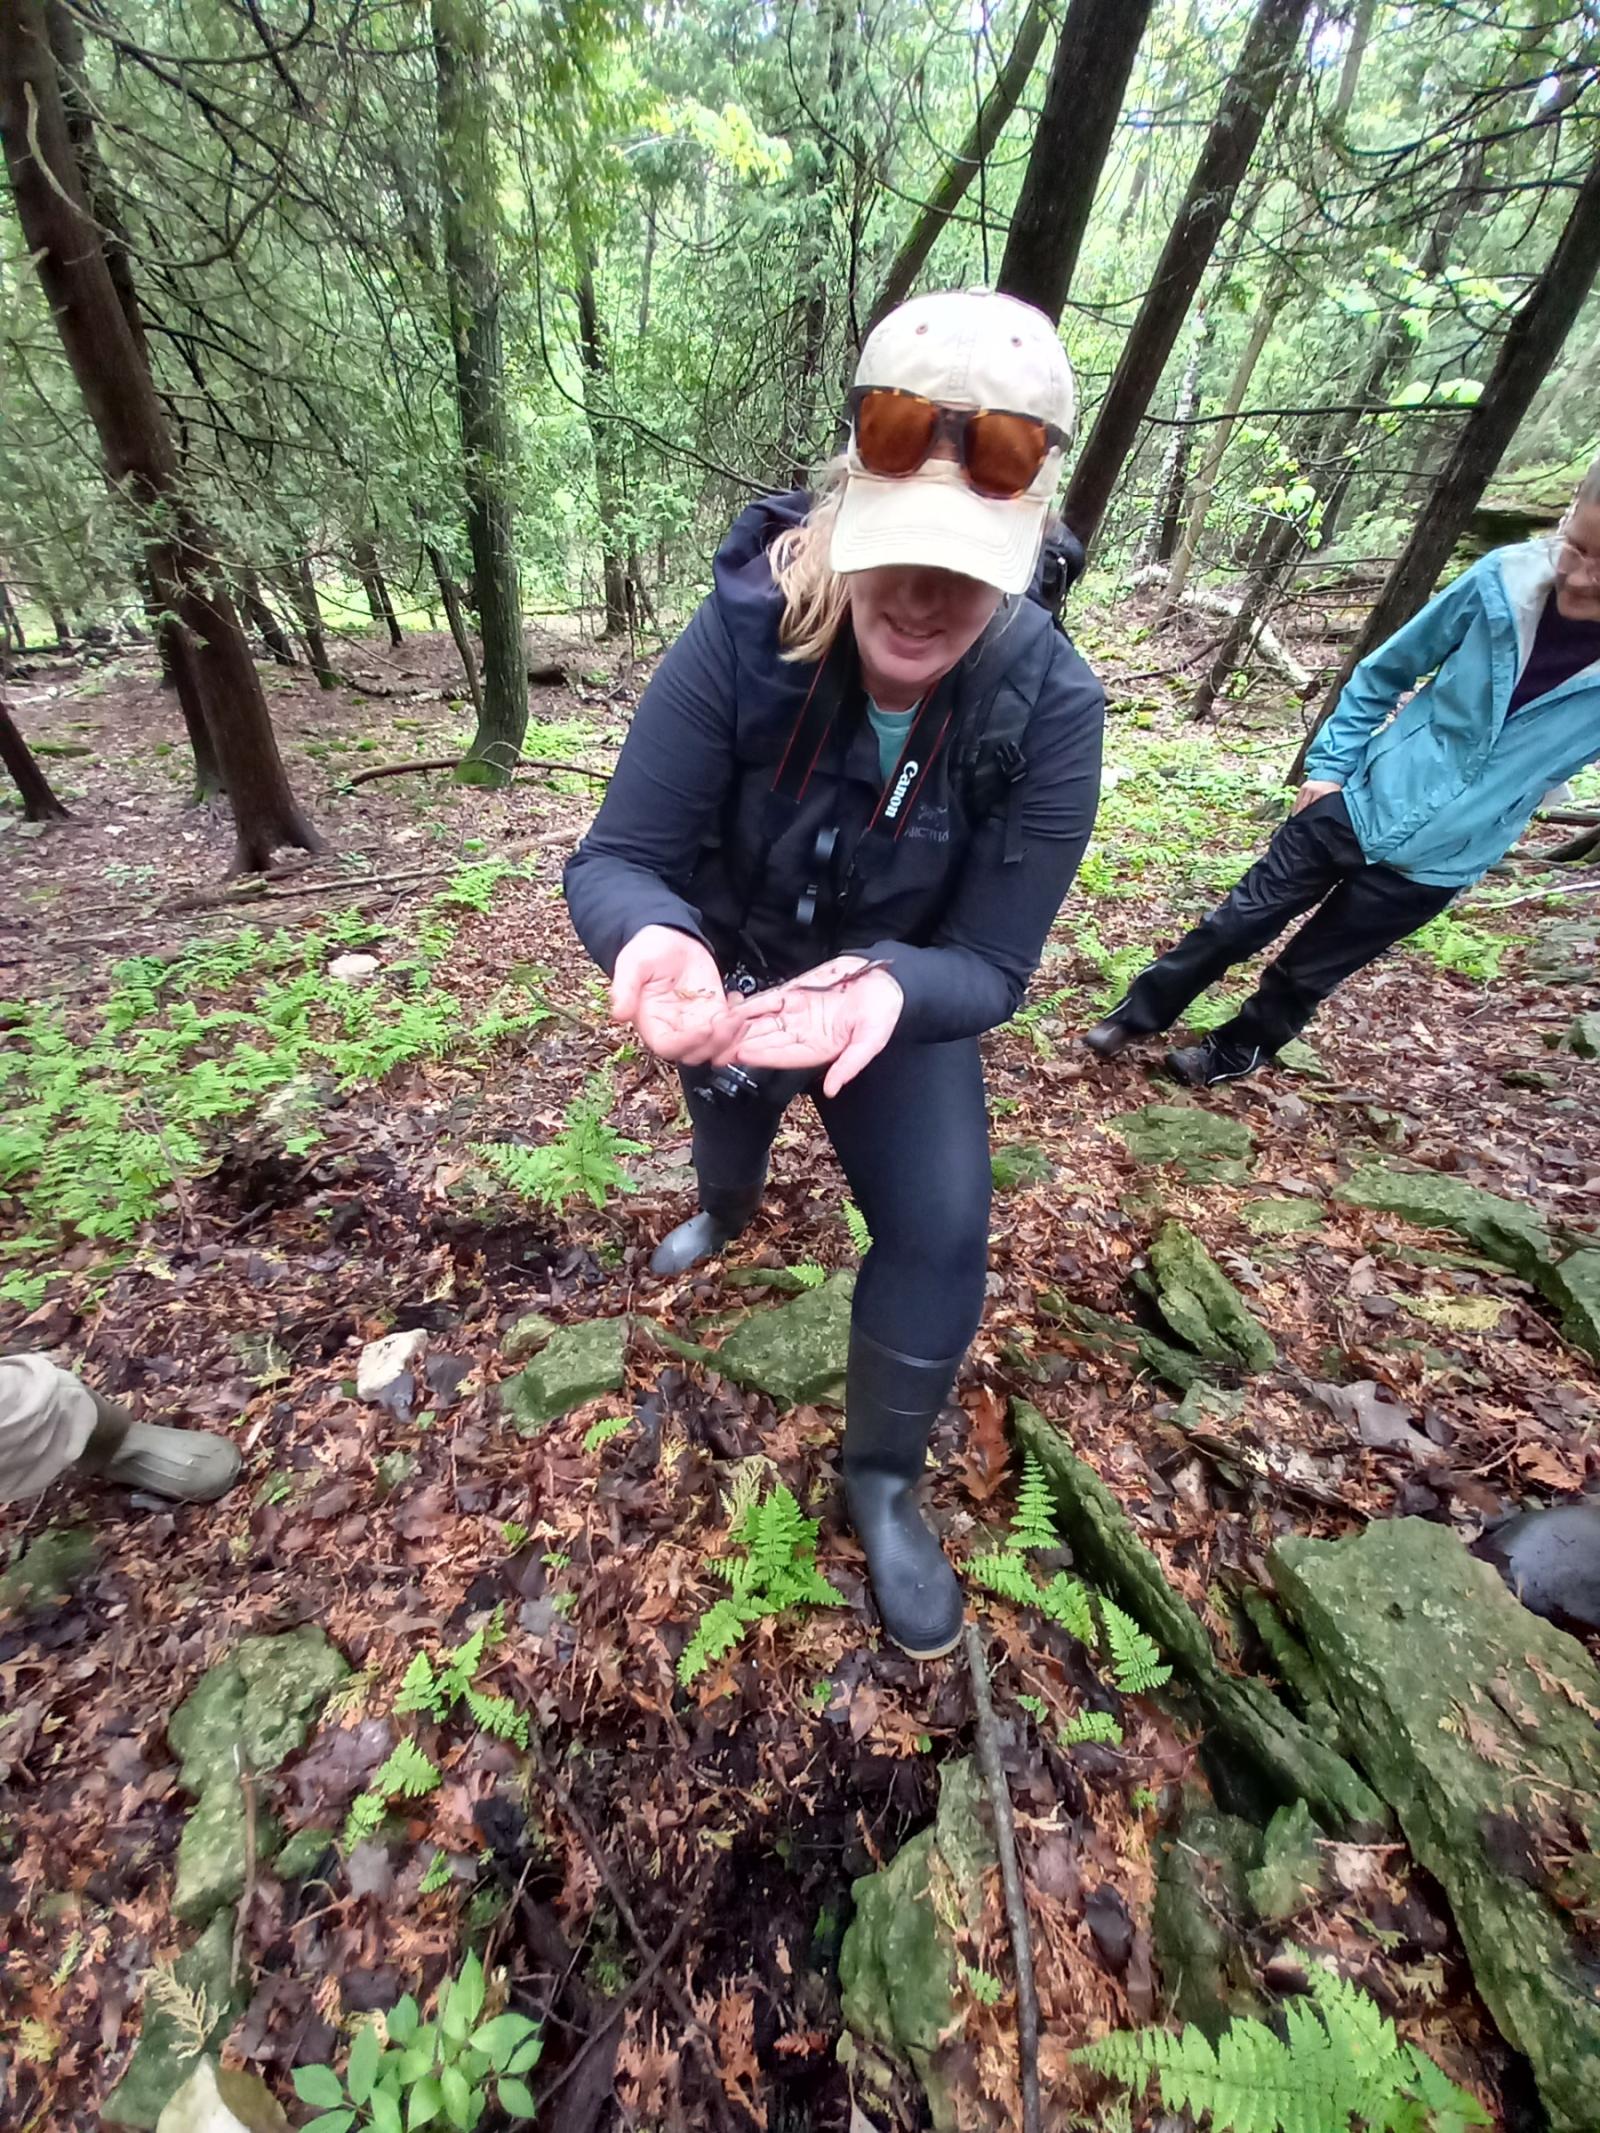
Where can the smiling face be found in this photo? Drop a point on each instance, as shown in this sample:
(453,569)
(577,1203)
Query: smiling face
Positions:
(912,625)
(1578,564)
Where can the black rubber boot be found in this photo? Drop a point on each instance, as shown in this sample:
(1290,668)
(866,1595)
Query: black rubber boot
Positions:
(892,1402)
(723,1214)
(1109,1039)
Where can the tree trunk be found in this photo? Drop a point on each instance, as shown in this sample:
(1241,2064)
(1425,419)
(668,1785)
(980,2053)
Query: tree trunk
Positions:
(1094,57)
(458,628)
(812,278)
(39,803)
(373,584)
(118,390)
(298,587)
(1531,345)
(1355,53)
(1161,533)
(10,623)
(1205,482)
(1269,51)
(262,620)
(469,194)
(602,437)
(996,108)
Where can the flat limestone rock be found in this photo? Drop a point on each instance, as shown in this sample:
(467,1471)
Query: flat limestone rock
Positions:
(1140,1349)
(1204,1144)
(1583,1037)
(1281,1218)
(1289,1758)
(1201,1304)
(898,1966)
(1477,1722)
(251,1711)
(527,1336)
(576,1364)
(797,1351)
(168,2049)
(216,2101)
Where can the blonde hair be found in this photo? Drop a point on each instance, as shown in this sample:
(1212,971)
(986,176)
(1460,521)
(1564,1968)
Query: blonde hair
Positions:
(816,597)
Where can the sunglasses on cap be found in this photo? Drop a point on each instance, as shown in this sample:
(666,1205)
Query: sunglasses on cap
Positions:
(1001,454)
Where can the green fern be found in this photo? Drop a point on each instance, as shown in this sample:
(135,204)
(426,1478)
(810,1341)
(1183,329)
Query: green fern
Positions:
(856,1223)
(438,1875)
(777,1572)
(599,1433)
(1090,1726)
(1340,2061)
(1035,1706)
(498,1715)
(1136,1661)
(420,1691)
(1066,1602)
(407,1772)
(999,1570)
(809,1274)
(581,1162)
(1033,1524)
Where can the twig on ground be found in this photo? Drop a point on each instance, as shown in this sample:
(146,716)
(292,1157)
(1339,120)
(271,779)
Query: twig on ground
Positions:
(619,2006)
(1005,1836)
(1534,896)
(526,767)
(694,2028)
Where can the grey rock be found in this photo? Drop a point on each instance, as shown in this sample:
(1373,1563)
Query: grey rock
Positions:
(1583,1037)
(1473,1718)
(303,1851)
(527,1336)
(1199,1918)
(214,2100)
(167,2051)
(1551,1561)
(1290,1874)
(386,1371)
(577,1363)
(1204,1144)
(1142,1351)
(797,1351)
(1281,1218)
(1201,1304)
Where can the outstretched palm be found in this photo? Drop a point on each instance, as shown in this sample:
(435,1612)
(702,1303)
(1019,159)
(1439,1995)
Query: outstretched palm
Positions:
(668,986)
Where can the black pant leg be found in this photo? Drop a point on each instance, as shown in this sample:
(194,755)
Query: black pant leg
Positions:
(1365,915)
(912,1133)
(1309,855)
(732,1138)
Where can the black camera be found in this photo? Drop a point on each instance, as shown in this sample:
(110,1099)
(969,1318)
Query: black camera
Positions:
(729,1085)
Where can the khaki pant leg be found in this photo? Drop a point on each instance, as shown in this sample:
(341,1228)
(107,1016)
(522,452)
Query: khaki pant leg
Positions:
(46,1419)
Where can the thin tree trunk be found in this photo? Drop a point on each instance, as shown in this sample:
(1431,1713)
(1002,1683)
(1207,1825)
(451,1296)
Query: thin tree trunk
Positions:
(1094,57)
(374,585)
(646,267)
(1269,51)
(60,625)
(1532,343)
(1355,53)
(262,620)
(469,197)
(115,380)
(1205,482)
(10,622)
(458,628)
(811,281)
(596,367)
(299,588)
(39,803)
(1161,533)
(951,190)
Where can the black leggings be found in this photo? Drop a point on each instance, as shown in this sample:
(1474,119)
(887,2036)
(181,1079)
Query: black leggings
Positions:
(912,1135)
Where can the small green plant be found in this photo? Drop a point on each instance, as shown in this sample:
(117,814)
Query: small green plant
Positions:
(777,1571)
(407,1774)
(984,1986)
(472,889)
(436,1691)
(1136,1661)
(809,1274)
(1033,1524)
(1031,1020)
(856,1223)
(580,1161)
(1455,945)
(1340,2062)
(599,1433)
(513,1534)
(1006,1570)
(1035,1706)
(437,1877)
(409,2073)
(1090,1726)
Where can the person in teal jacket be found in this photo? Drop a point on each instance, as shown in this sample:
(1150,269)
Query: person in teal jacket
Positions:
(1407,799)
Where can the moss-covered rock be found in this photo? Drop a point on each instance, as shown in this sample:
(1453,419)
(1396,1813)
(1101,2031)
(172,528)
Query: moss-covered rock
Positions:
(1583,1037)
(219,2100)
(899,1969)
(1281,1218)
(1018,1164)
(1475,1720)
(1290,1760)
(1200,1916)
(49,1567)
(577,1363)
(1201,1304)
(527,1335)
(1290,1873)
(1144,1353)
(796,1352)
(1205,1145)
(178,2027)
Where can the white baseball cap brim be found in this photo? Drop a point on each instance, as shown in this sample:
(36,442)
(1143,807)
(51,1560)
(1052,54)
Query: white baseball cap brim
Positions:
(935,520)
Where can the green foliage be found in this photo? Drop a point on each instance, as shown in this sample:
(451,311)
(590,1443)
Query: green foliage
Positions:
(1136,1659)
(856,1223)
(408,2073)
(1090,1726)
(809,1274)
(407,1774)
(602,1432)
(437,1877)
(99,1122)
(984,1986)
(472,889)
(1033,1523)
(581,1162)
(1031,1020)
(1341,2063)
(777,1571)
(1455,945)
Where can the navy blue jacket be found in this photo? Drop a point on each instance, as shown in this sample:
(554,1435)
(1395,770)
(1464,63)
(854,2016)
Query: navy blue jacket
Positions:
(684,837)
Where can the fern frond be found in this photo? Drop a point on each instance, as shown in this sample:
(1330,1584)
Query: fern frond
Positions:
(1000,1570)
(809,1274)
(498,1715)
(407,1772)
(1066,1602)
(1033,1524)
(856,1223)
(1136,1660)
(1090,1726)
(419,1691)
(720,1628)
(365,1817)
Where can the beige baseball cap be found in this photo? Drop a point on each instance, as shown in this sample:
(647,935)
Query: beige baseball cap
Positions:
(964,348)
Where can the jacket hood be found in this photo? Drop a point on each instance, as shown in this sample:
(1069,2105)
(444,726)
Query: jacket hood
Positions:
(746,594)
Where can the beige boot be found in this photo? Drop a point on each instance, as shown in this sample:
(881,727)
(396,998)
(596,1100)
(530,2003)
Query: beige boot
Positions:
(50,1420)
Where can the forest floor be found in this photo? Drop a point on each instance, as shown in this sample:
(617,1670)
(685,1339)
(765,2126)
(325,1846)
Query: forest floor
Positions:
(249,1250)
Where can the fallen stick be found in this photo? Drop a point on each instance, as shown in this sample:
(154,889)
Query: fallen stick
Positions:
(619,2006)
(527,766)
(1005,1835)
(1534,896)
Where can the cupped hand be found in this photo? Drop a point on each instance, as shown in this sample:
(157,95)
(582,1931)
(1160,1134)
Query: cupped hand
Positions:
(668,986)
(817,1020)
(1314,789)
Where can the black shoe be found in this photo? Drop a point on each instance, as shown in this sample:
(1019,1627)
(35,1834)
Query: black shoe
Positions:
(1202,1066)
(892,1402)
(722,1216)
(1108,1039)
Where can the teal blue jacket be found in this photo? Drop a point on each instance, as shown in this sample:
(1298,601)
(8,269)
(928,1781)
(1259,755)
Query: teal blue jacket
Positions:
(1442,785)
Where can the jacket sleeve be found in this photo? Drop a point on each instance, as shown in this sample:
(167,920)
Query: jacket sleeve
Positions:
(1382,678)
(974,973)
(632,868)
